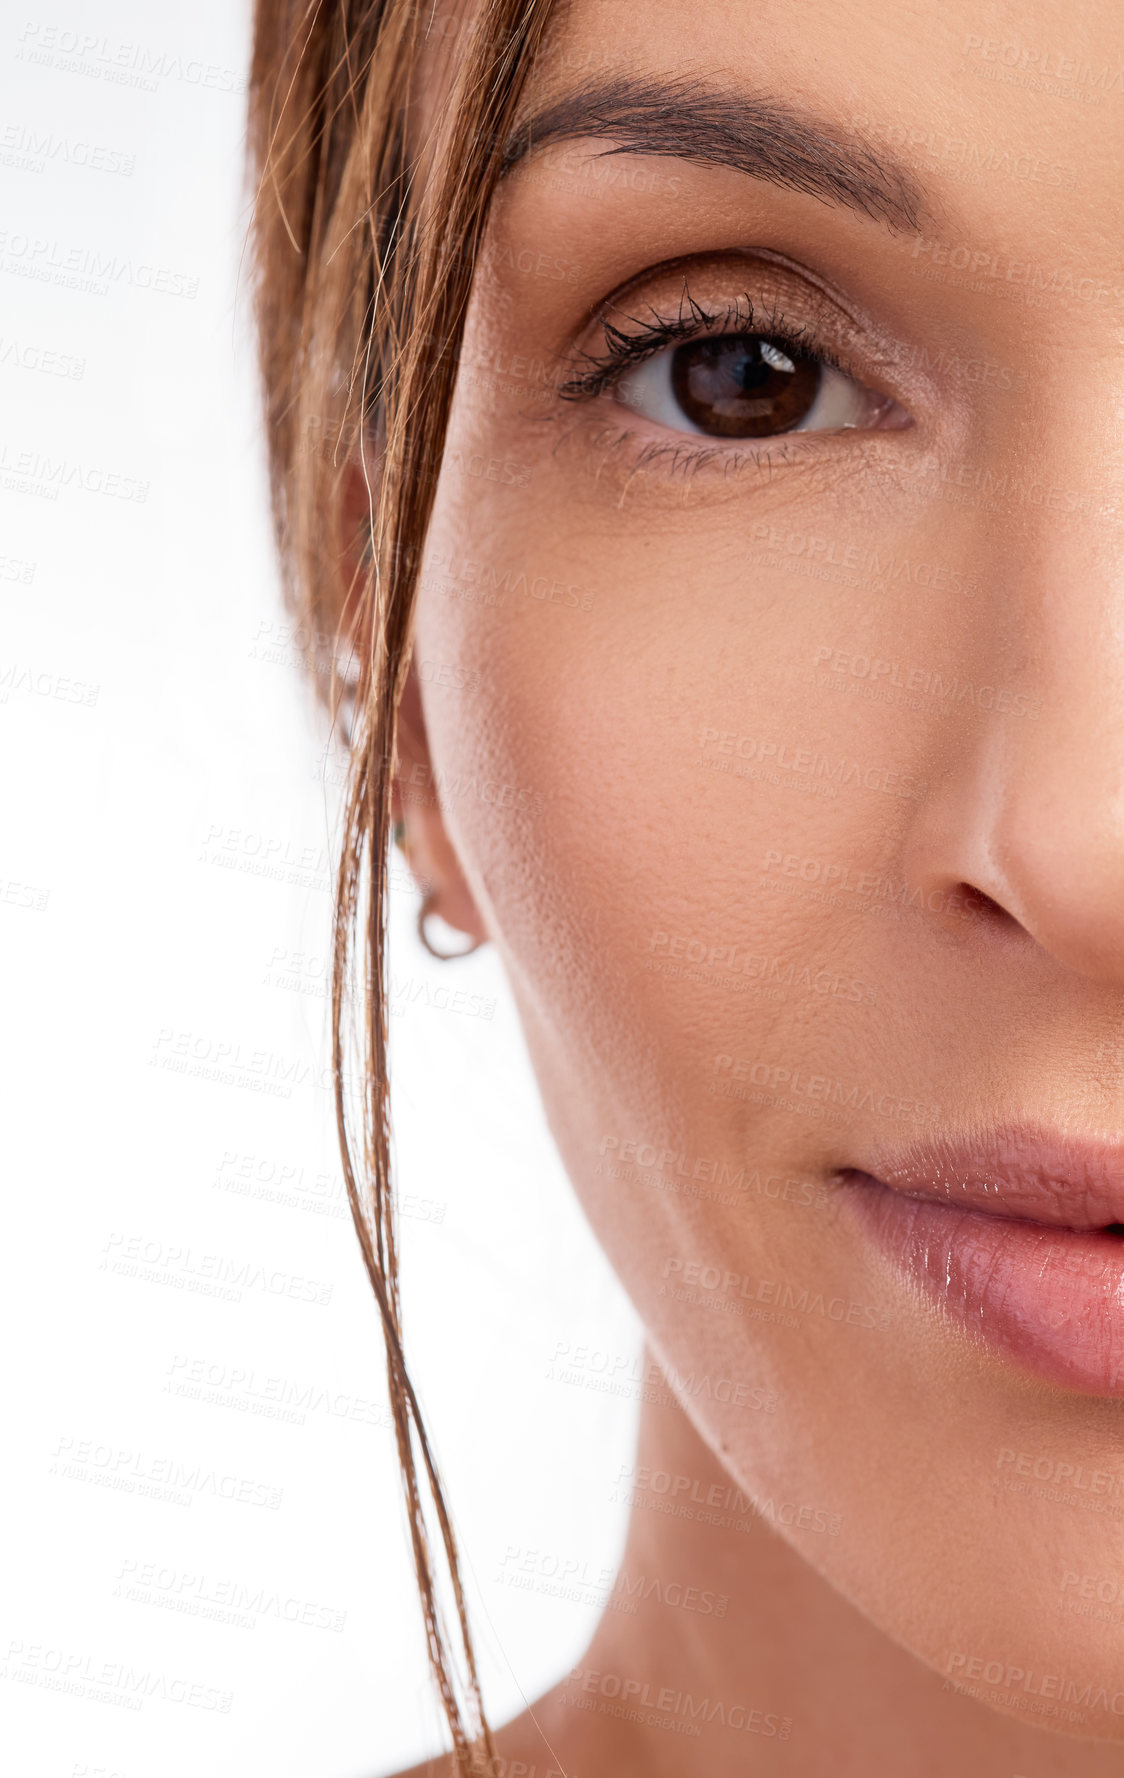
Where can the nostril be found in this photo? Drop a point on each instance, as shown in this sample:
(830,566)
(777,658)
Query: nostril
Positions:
(978,906)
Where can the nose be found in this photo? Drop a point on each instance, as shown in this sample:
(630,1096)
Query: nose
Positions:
(1027,805)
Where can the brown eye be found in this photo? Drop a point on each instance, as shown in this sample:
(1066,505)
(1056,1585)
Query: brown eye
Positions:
(748,385)
(744,386)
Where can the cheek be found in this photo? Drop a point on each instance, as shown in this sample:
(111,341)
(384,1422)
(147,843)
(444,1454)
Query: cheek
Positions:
(649,792)
(652,793)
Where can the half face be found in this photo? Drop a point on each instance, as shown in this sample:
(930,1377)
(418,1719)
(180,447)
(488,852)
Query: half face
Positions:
(781,745)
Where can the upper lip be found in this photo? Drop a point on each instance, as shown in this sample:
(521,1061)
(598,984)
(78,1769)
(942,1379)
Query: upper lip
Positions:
(1016,1170)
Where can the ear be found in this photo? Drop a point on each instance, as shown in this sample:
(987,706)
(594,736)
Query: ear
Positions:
(415,803)
(414,798)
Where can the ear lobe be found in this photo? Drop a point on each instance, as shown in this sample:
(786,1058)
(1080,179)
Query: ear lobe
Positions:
(416,803)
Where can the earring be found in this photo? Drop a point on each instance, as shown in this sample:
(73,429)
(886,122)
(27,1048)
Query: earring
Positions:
(427,906)
(424,912)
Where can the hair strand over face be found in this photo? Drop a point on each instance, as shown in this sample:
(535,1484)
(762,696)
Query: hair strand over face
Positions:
(364,254)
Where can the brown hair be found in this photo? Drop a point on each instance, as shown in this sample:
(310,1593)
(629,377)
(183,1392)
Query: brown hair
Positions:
(363,261)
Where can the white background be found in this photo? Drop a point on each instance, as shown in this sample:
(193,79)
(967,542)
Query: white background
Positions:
(161,753)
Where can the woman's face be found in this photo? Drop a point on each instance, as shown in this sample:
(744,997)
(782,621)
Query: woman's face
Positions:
(779,735)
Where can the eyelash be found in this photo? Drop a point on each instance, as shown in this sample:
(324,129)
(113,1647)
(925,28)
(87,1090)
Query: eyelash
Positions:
(678,455)
(625,350)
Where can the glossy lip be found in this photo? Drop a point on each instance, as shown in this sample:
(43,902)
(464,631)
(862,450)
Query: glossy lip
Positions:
(1010,1235)
(1014,1171)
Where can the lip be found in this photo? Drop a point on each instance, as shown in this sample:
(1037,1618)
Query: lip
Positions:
(1011,1234)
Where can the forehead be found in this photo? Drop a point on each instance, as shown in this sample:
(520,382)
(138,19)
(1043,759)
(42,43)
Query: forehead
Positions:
(1001,115)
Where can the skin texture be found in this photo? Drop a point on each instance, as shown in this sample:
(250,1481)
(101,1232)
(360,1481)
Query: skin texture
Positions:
(622,635)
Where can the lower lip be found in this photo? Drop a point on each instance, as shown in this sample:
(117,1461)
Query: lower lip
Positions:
(1050,1298)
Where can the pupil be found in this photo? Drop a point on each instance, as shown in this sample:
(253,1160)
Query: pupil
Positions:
(743,385)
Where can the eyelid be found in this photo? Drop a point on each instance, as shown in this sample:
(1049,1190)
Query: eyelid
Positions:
(826,324)
(658,308)
(628,349)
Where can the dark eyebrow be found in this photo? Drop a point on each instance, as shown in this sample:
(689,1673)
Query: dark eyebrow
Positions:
(761,136)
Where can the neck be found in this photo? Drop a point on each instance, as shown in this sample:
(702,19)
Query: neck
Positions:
(723,1647)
